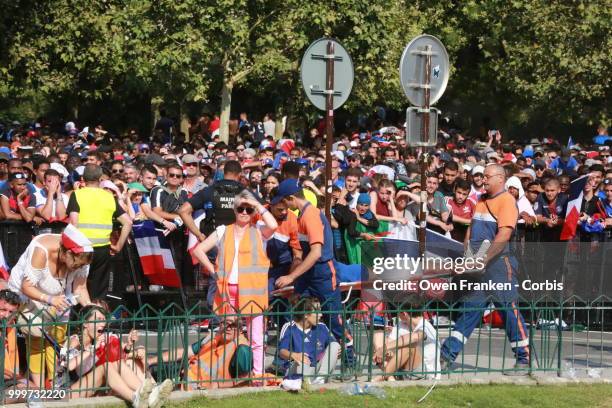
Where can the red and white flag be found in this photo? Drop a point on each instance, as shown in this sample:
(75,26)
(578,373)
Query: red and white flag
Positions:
(574,206)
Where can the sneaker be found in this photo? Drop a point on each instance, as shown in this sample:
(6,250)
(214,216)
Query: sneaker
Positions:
(141,397)
(160,394)
(445,365)
(292,383)
(520,369)
(317,381)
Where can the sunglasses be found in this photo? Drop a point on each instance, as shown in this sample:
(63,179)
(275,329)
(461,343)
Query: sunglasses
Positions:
(191,164)
(175,175)
(117,171)
(245,210)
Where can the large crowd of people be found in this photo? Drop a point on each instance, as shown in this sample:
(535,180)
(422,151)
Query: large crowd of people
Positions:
(255,205)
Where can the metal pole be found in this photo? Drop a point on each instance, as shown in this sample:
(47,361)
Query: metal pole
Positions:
(329,126)
(425,140)
(422,211)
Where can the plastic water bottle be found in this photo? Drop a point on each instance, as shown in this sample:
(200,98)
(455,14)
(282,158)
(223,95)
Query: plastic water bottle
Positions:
(568,370)
(594,372)
(375,391)
(352,389)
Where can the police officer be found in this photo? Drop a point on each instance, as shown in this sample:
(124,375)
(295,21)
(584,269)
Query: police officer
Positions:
(494,220)
(217,201)
(316,274)
(92,210)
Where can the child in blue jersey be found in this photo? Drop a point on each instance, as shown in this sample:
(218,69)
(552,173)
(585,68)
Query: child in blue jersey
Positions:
(307,347)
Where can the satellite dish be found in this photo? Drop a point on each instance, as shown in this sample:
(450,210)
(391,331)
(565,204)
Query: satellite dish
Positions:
(413,72)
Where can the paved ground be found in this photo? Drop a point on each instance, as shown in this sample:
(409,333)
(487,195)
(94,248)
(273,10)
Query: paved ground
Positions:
(487,350)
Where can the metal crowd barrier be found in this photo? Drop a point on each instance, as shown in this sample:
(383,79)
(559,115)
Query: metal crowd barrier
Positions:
(15,236)
(562,335)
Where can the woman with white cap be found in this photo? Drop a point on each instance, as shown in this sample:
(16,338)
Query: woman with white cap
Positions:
(51,275)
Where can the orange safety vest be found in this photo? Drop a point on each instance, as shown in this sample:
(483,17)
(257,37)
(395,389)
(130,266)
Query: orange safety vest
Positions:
(253,267)
(11,359)
(211,364)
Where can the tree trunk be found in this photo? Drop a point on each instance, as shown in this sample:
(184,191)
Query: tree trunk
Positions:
(279,129)
(156,102)
(226,108)
(184,120)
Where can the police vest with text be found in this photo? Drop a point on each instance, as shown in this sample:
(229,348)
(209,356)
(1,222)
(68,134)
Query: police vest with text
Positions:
(220,211)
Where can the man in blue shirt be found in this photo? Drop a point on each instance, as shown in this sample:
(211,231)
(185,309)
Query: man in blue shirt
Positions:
(306,346)
(602,136)
(565,163)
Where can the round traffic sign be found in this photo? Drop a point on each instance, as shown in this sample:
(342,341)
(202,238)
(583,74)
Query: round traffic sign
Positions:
(314,73)
(413,72)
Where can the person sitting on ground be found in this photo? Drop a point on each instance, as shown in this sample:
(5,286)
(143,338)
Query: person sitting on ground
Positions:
(81,372)
(9,359)
(306,345)
(412,345)
(222,361)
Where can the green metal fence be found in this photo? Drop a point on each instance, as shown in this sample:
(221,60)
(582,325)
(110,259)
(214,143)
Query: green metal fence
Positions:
(562,335)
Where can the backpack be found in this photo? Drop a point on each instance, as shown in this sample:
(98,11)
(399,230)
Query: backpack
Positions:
(220,211)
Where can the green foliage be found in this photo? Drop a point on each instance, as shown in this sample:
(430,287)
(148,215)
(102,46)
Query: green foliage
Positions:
(523,59)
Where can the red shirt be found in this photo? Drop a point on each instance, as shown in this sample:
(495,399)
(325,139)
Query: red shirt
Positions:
(465,210)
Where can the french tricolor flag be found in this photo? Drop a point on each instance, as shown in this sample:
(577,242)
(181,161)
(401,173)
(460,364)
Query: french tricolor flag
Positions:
(155,255)
(4,269)
(574,206)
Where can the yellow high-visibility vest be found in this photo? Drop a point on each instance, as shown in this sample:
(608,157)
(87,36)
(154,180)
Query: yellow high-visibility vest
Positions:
(96,209)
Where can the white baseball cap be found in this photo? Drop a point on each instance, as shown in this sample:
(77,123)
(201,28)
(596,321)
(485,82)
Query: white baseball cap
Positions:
(478,169)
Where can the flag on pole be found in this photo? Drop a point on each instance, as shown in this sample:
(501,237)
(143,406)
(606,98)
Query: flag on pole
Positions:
(155,255)
(574,206)
(192,240)
(4,268)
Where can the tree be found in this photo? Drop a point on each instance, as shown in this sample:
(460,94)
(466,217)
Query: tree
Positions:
(529,60)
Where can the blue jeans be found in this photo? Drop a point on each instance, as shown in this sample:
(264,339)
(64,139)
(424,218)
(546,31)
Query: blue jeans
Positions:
(501,270)
(317,282)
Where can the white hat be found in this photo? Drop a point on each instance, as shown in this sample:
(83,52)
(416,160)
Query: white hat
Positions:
(339,154)
(467,167)
(478,169)
(60,169)
(530,172)
(75,241)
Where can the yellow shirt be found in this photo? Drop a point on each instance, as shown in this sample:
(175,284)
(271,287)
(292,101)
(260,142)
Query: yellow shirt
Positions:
(310,197)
